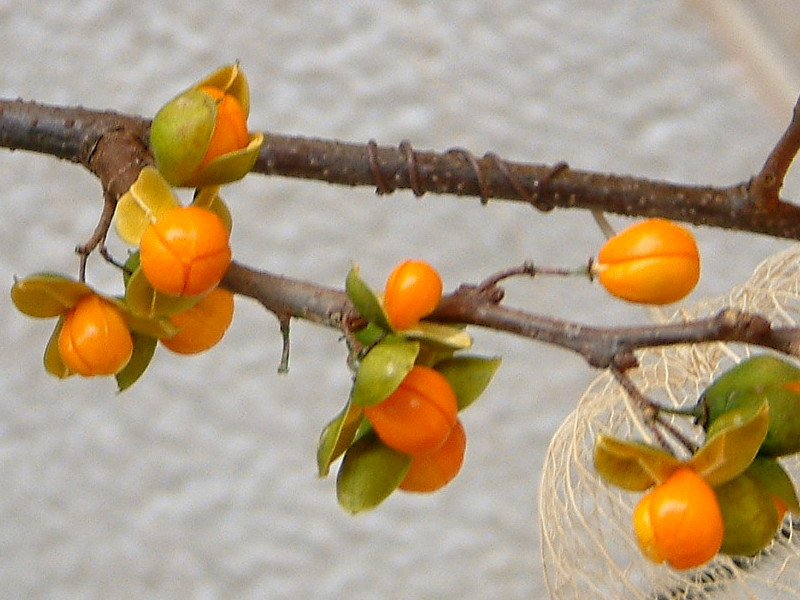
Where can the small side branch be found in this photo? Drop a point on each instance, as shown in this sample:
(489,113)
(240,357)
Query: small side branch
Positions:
(765,186)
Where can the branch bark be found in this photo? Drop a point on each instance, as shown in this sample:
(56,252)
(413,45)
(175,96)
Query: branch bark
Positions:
(114,147)
(473,305)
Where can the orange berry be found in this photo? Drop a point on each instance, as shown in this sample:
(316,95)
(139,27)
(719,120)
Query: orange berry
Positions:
(230,130)
(185,252)
(203,325)
(429,472)
(418,416)
(94,338)
(653,262)
(413,290)
(679,521)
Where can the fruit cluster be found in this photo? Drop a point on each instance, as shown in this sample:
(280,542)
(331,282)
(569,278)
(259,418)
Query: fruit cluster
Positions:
(732,494)
(172,294)
(400,428)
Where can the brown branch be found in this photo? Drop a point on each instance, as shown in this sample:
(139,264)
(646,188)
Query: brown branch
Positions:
(114,147)
(600,347)
(544,186)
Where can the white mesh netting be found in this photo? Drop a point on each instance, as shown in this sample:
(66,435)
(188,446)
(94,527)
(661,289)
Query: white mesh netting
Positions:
(588,546)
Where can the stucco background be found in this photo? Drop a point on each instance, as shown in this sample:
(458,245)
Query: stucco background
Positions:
(199,482)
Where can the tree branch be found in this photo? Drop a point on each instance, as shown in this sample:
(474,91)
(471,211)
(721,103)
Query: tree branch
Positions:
(544,186)
(114,147)
(473,305)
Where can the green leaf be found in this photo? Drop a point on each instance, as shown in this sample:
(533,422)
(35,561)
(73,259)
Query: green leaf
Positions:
(365,300)
(139,207)
(468,375)
(144,347)
(337,436)
(633,466)
(47,295)
(731,448)
(53,363)
(382,370)
(370,472)
(144,301)
(447,336)
(771,476)
(751,375)
(749,515)
(370,335)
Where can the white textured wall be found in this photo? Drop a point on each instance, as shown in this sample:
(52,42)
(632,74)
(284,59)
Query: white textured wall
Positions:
(200,481)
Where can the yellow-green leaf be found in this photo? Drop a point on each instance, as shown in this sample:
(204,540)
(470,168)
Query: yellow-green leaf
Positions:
(47,295)
(369,473)
(771,476)
(468,375)
(180,134)
(154,327)
(731,448)
(749,515)
(144,347)
(144,301)
(382,370)
(448,336)
(633,466)
(365,300)
(53,363)
(337,437)
(229,167)
(148,197)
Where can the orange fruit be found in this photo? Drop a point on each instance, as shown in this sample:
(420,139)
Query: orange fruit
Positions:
(203,325)
(652,262)
(94,338)
(185,252)
(679,521)
(230,130)
(430,472)
(413,290)
(418,416)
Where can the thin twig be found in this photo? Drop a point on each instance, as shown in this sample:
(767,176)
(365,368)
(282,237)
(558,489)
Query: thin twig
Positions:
(766,186)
